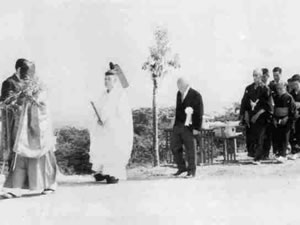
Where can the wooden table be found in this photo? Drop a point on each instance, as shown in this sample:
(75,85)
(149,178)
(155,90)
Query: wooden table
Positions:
(204,145)
(229,153)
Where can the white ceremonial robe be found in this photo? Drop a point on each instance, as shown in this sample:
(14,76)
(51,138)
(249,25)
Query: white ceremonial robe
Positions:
(111,143)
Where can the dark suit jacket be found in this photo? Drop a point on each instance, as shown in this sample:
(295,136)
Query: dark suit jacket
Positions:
(11,84)
(193,99)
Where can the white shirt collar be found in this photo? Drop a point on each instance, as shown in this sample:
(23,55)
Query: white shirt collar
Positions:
(185,93)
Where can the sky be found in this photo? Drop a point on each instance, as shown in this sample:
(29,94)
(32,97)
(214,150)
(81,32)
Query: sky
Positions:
(219,44)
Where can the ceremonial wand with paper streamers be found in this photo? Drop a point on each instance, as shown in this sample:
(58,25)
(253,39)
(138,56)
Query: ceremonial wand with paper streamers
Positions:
(96,112)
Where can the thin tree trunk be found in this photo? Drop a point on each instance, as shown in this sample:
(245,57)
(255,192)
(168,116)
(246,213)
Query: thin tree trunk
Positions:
(155,124)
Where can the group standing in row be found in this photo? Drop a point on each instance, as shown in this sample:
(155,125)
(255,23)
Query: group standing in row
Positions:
(270,113)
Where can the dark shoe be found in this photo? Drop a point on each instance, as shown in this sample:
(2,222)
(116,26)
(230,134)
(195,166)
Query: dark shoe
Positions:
(9,195)
(111,180)
(250,155)
(180,171)
(48,191)
(265,158)
(257,162)
(100,177)
(190,174)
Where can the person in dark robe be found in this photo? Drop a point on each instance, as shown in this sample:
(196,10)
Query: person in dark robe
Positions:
(188,122)
(268,134)
(29,143)
(11,112)
(254,110)
(295,131)
(283,120)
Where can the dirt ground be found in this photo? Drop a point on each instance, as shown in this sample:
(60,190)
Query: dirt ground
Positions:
(234,194)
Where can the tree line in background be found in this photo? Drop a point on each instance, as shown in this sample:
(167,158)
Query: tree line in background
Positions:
(231,113)
(73,144)
(149,124)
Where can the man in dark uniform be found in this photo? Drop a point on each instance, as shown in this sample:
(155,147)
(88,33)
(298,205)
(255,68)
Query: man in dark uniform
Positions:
(254,111)
(277,73)
(188,122)
(283,119)
(290,85)
(268,134)
(295,132)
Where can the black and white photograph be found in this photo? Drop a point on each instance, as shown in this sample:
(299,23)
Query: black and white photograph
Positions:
(149,112)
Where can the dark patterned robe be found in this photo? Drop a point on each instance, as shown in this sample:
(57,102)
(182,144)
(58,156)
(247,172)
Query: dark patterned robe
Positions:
(10,114)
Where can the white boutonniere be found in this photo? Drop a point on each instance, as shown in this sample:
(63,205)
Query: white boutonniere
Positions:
(189,112)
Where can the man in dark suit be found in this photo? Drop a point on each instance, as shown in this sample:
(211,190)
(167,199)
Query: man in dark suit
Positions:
(188,122)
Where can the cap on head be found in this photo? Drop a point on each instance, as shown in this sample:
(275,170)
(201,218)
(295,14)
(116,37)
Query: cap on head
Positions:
(295,77)
(110,73)
(115,69)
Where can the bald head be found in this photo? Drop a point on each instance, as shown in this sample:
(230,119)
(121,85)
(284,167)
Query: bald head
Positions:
(257,75)
(182,84)
(257,71)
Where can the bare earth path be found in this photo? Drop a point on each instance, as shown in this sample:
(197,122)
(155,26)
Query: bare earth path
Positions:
(232,194)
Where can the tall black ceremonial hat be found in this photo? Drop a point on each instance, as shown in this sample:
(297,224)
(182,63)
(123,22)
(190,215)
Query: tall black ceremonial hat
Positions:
(115,69)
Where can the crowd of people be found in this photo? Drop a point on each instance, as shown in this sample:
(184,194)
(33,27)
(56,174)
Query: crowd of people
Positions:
(270,113)
(28,143)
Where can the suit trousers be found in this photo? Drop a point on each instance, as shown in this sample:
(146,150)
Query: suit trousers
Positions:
(255,135)
(281,136)
(268,140)
(182,141)
(295,137)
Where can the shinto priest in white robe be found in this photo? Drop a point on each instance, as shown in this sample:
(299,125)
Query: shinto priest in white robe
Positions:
(111,143)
